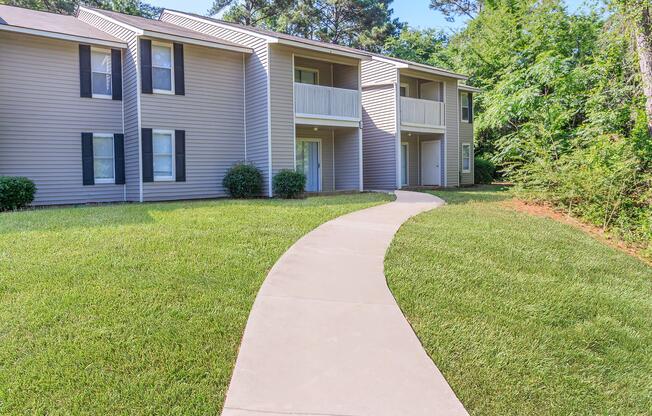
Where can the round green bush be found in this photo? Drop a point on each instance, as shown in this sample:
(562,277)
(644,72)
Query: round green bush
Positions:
(485,171)
(16,192)
(243,180)
(289,184)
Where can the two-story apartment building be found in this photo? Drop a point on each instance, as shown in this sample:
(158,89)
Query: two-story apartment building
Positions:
(104,106)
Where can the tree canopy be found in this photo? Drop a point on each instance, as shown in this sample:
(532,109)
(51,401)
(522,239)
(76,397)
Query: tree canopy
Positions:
(134,7)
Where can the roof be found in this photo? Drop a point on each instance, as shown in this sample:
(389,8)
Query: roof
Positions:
(278,37)
(464,87)
(53,25)
(402,63)
(160,29)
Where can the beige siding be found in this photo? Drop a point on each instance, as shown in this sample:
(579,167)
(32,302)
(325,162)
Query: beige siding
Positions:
(256,75)
(325,69)
(379,122)
(413,158)
(346,159)
(42,118)
(452,133)
(466,136)
(282,105)
(345,76)
(212,115)
(325,135)
(413,88)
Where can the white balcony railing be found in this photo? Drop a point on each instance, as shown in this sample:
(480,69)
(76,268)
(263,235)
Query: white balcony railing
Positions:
(328,102)
(423,113)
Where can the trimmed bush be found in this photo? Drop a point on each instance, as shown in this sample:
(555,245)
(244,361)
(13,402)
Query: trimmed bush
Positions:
(485,171)
(289,184)
(243,180)
(16,192)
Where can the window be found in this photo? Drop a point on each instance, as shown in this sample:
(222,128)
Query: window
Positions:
(306,76)
(466,107)
(162,68)
(163,149)
(405,90)
(101,73)
(103,158)
(466,158)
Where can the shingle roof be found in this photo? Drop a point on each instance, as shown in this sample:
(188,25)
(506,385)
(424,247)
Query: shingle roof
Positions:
(52,23)
(159,26)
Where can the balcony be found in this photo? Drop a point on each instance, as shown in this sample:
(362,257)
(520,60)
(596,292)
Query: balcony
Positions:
(316,104)
(422,115)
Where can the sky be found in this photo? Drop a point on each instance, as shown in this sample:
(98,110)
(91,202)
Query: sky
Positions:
(415,12)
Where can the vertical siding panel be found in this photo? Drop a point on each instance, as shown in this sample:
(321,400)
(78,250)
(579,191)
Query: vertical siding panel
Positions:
(42,117)
(379,122)
(281,89)
(452,133)
(347,161)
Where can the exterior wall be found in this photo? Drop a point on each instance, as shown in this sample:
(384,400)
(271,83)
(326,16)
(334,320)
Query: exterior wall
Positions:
(413,88)
(130,88)
(347,159)
(345,76)
(324,68)
(327,153)
(466,136)
(413,158)
(379,112)
(256,85)
(212,115)
(42,118)
(452,133)
(282,106)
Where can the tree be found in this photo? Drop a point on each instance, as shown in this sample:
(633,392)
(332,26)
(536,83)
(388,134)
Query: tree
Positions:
(452,8)
(427,46)
(251,12)
(134,7)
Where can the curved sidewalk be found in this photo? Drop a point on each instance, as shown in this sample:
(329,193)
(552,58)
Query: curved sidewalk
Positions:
(325,335)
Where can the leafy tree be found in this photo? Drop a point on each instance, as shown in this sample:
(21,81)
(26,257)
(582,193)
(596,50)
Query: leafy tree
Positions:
(452,8)
(134,7)
(251,12)
(427,46)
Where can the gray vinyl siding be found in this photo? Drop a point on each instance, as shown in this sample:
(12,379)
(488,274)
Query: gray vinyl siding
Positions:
(42,118)
(379,122)
(466,136)
(324,69)
(345,76)
(282,107)
(452,133)
(130,90)
(212,115)
(347,159)
(326,137)
(256,75)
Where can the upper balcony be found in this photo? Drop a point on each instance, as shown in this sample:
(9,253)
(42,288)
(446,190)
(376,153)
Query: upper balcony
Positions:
(422,107)
(326,93)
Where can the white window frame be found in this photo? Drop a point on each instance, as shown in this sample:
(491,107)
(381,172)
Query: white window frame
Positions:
(170,46)
(407,89)
(171,178)
(468,107)
(105,136)
(110,73)
(306,69)
(470,153)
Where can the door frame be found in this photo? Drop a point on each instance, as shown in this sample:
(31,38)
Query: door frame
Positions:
(407,163)
(421,143)
(319,151)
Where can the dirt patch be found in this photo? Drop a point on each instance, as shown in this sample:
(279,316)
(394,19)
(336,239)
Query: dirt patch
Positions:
(546,211)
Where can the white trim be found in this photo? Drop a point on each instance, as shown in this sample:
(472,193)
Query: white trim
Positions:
(172,177)
(134,29)
(244,102)
(468,107)
(193,41)
(269,120)
(462,158)
(333,154)
(294,115)
(122,106)
(423,128)
(108,52)
(324,49)
(319,150)
(325,121)
(468,88)
(360,127)
(170,46)
(445,157)
(62,36)
(397,117)
(420,67)
(100,181)
(218,24)
(139,86)
(306,69)
(407,89)
(407,163)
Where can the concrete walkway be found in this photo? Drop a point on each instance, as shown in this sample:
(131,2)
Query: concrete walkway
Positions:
(325,335)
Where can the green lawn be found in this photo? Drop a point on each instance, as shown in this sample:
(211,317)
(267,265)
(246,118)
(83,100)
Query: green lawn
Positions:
(137,309)
(525,315)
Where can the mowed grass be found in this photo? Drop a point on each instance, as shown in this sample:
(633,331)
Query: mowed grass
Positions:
(525,315)
(138,309)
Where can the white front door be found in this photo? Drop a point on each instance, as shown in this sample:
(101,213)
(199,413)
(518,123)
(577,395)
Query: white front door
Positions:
(404,164)
(309,162)
(430,170)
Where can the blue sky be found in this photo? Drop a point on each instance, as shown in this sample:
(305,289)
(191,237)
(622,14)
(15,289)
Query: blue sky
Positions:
(415,12)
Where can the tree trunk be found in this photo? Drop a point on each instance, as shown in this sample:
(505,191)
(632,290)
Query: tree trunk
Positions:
(644,48)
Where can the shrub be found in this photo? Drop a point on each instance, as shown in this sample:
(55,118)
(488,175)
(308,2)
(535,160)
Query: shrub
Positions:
(243,180)
(16,192)
(485,171)
(289,184)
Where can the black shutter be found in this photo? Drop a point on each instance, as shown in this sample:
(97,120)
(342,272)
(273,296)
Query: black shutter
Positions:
(119,153)
(146,66)
(179,78)
(470,108)
(85,86)
(180,155)
(148,156)
(87,158)
(116,73)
